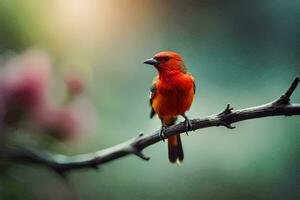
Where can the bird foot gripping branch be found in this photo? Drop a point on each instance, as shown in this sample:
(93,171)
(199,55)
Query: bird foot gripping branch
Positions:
(188,124)
(162,132)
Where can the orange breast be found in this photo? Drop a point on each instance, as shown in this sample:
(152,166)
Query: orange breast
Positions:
(174,97)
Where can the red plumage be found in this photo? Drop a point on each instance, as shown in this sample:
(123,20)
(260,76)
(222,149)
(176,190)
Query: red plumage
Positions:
(172,94)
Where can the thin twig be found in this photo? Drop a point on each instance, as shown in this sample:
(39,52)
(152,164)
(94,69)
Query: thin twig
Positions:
(135,146)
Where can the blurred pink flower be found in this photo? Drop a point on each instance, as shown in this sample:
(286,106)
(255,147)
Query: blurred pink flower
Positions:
(61,123)
(24,85)
(74,85)
(25,93)
(2,107)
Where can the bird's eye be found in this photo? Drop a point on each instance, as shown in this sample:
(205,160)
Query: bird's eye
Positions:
(166,58)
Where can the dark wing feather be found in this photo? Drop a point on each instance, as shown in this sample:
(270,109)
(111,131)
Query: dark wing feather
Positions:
(152,95)
(194,88)
(193,82)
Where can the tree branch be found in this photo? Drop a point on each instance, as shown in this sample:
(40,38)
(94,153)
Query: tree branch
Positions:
(135,146)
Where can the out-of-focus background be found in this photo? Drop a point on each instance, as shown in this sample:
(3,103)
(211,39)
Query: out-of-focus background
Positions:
(241,52)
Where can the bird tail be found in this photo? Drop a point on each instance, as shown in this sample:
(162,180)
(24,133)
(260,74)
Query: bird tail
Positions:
(174,145)
(175,149)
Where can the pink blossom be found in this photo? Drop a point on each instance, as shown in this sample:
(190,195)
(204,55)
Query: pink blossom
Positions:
(74,85)
(24,85)
(23,97)
(61,123)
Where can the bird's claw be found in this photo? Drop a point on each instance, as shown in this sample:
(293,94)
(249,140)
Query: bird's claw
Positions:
(162,133)
(188,125)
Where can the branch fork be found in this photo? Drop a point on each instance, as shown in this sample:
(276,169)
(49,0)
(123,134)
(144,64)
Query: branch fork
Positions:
(285,98)
(135,149)
(222,117)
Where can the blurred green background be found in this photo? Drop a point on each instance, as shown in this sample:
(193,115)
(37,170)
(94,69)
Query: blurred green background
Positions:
(241,52)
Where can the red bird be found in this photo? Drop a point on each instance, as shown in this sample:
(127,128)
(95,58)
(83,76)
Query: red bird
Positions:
(171,95)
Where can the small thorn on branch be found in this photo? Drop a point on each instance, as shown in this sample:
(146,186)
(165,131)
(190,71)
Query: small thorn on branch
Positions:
(62,173)
(222,122)
(141,155)
(292,88)
(137,138)
(95,167)
(227,125)
(227,110)
(140,134)
(285,98)
(134,149)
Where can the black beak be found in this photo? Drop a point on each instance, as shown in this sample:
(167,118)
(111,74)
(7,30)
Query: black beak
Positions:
(151,61)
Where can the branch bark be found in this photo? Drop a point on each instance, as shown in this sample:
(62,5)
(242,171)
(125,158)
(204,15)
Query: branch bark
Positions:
(62,163)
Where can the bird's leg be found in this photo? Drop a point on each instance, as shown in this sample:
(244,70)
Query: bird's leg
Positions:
(188,124)
(162,132)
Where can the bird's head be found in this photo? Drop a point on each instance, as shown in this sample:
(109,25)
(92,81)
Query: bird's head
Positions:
(168,62)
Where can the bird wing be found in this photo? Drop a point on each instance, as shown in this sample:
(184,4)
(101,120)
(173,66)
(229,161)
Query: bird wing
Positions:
(194,85)
(152,96)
